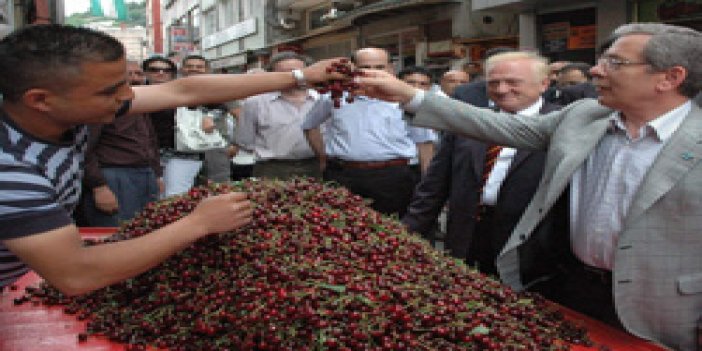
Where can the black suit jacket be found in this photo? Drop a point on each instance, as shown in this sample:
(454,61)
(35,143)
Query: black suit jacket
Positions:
(474,93)
(454,175)
(576,92)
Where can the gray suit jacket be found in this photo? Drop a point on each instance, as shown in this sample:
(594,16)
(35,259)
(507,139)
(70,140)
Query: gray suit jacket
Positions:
(657,275)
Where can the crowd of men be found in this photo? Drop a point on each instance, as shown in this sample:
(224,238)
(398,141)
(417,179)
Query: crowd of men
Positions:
(592,202)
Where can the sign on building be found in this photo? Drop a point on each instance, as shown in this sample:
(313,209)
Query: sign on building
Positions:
(180,39)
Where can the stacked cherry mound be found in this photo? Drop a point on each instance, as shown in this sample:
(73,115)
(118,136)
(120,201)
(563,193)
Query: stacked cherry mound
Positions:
(317,270)
(336,88)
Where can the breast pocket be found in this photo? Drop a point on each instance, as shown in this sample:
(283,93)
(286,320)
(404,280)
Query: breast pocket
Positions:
(690,284)
(272,121)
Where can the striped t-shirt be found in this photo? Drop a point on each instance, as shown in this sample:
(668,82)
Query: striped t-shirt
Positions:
(39,186)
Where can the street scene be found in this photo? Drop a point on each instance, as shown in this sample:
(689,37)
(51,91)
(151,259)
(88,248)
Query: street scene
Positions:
(350,175)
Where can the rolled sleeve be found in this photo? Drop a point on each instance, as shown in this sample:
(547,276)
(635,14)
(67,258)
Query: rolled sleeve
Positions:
(244,134)
(319,113)
(413,105)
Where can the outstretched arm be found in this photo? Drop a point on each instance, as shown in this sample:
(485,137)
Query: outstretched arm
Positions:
(217,88)
(59,256)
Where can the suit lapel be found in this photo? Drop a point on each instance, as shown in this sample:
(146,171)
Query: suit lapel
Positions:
(479,160)
(517,160)
(682,152)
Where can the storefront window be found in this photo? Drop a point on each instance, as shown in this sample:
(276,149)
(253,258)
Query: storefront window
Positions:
(686,13)
(569,35)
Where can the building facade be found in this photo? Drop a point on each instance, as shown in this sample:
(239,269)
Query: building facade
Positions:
(567,30)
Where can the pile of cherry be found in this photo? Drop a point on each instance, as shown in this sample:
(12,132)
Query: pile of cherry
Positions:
(336,88)
(316,270)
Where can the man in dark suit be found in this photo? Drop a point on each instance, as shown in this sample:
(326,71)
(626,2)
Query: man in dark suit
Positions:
(483,209)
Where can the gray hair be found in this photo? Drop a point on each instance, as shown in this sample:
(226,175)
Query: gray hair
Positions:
(287,55)
(539,63)
(668,47)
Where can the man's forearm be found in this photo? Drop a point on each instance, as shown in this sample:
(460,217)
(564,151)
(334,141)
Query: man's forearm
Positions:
(425,152)
(314,138)
(206,89)
(87,268)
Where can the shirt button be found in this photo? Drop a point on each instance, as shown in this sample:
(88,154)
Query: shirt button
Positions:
(522,237)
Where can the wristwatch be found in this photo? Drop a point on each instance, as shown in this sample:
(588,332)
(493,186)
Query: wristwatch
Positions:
(299,78)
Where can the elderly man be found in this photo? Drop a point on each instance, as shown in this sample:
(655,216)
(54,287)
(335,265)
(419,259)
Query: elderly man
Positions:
(487,189)
(623,173)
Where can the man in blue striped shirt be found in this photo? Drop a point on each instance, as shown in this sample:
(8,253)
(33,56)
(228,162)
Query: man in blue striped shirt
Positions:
(55,80)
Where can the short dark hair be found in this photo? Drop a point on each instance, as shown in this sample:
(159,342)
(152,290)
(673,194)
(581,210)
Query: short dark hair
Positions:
(45,56)
(415,70)
(579,66)
(147,63)
(287,55)
(195,57)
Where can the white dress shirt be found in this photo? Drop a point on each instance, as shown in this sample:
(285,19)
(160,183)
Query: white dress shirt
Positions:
(504,160)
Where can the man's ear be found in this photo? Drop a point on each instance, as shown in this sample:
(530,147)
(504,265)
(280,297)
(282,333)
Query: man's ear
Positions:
(37,99)
(545,84)
(674,77)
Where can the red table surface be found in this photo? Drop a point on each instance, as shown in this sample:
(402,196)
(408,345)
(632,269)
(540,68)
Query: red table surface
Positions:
(30,328)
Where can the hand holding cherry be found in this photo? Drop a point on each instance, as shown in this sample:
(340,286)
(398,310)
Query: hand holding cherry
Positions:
(337,86)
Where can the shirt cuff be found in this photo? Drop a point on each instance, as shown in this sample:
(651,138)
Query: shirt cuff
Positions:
(413,105)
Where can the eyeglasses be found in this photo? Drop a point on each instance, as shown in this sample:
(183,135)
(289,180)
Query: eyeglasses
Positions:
(158,70)
(613,63)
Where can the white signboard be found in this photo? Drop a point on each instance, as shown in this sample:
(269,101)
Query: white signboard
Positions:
(7,19)
(239,30)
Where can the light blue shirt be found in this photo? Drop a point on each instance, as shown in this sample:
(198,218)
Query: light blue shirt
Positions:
(365,130)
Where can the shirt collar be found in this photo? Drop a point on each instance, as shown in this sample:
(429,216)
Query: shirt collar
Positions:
(533,109)
(662,127)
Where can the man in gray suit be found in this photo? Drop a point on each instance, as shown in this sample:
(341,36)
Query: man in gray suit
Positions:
(625,166)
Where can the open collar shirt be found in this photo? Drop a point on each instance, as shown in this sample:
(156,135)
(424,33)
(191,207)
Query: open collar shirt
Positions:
(602,189)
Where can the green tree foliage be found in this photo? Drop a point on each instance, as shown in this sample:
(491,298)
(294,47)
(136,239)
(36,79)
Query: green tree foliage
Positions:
(136,11)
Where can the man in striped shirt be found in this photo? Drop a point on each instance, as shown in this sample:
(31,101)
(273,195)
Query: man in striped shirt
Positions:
(55,80)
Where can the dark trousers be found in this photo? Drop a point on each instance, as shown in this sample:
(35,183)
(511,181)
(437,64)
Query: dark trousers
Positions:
(585,289)
(389,188)
(482,253)
(133,188)
(216,167)
(286,169)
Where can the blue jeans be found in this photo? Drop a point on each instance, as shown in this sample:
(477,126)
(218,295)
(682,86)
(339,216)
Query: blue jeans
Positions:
(133,188)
